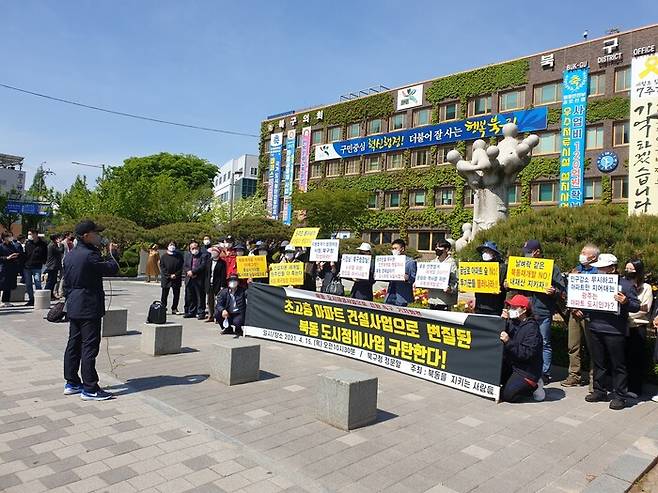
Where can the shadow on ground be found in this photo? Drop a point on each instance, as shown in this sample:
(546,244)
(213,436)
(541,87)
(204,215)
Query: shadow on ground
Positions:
(142,384)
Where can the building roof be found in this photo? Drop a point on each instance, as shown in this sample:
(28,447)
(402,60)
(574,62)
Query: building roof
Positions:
(7,161)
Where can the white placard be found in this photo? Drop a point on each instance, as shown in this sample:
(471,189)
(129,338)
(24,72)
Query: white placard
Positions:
(390,267)
(355,266)
(593,292)
(435,275)
(324,250)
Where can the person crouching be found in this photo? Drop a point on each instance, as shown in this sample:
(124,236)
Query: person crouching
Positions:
(231,307)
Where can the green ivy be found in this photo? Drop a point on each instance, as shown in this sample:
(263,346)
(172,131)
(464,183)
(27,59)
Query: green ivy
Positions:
(614,108)
(606,189)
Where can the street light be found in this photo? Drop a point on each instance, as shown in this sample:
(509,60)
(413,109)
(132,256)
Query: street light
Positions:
(230,210)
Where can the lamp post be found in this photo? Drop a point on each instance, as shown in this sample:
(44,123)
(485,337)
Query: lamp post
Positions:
(230,209)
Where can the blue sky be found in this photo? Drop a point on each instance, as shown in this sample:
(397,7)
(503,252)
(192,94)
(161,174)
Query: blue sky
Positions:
(230,64)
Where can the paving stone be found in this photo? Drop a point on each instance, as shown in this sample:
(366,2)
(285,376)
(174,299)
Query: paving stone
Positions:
(478,452)
(113,476)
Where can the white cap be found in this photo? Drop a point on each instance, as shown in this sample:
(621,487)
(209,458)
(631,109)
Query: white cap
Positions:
(605,260)
(364,247)
(290,248)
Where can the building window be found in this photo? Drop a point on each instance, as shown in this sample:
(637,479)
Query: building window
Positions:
(316,137)
(266,146)
(595,137)
(397,121)
(621,133)
(316,171)
(549,143)
(622,79)
(468,196)
(372,201)
(592,189)
(387,237)
(513,194)
(424,239)
(353,166)
(547,192)
(480,106)
(254,171)
(511,100)
(422,117)
(333,134)
(353,130)
(445,197)
(296,172)
(375,126)
(392,199)
(333,168)
(620,188)
(298,140)
(548,93)
(596,85)
(420,157)
(373,163)
(441,154)
(448,112)
(375,237)
(417,198)
(395,161)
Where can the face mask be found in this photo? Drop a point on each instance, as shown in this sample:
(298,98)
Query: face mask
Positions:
(30,237)
(583,259)
(439,252)
(262,253)
(514,313)
(239,253)
(290,255)
(215,255)
(171,248)
(206,242)
(194,252)
(395,252)
(486,256)
(233,284)
(630,275)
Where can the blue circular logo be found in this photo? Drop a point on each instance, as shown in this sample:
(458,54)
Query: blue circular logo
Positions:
(607,162)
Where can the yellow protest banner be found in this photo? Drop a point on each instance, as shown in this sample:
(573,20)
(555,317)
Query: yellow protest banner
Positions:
(479,277)
(252,266)
(287,274)
(303,237)
(529,274)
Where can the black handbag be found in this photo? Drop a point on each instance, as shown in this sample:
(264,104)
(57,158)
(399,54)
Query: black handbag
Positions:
(157,313)
(336,287)
(57,313)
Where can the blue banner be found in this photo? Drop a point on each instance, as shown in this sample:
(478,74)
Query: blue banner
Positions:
(573,133)
(289,177)
(275,155)
(34,208)
(444,133)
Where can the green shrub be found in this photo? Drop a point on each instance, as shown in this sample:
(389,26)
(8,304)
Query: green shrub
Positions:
(181,233)
(259,228)
(122,231)
(128,272)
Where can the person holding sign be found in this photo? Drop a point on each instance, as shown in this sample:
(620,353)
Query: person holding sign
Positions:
(444,299)
(215,280)
(401,293)
(231,307)
(362,288)
(289,257)
(492,303)
(608,339)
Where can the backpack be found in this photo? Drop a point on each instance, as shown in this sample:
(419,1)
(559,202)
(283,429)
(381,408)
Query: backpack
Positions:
(157,313)
(336,287)
(57,313)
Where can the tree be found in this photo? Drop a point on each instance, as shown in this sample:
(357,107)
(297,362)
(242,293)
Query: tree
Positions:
(219,213)
(259,228)
(331,210)
(78,201)
(7,219)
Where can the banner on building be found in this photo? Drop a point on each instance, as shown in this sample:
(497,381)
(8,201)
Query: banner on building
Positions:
(479,277)
(430,135)
(324,250)
(286,274)
(573,132)
(355,266)
(303,237)
(274,175)
(435,275)
(643,149)
(593,292)
(458,350)
(252,266)
(529,274)
(305,155)
(390,267)
(289,177)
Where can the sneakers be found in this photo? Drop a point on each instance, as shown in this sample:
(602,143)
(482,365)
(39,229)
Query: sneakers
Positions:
(539,394)
(617,404)
(655,398)
(7,305)
(174,311)
(99,395)
(70,389)
(596,397)
(571,381)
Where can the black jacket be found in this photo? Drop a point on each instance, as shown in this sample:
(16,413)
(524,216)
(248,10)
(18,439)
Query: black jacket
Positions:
(55,255)
(611,323)
(84,269)
(200,269)
(8,268)
(36,253)
(218,276)
(222,301)
(362,288)
(523,352)
(171,264)
(490,303)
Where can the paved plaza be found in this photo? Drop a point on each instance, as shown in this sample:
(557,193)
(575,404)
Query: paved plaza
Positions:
(173,429)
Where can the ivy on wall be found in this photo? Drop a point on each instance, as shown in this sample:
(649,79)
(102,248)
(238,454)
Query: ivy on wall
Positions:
(614,108)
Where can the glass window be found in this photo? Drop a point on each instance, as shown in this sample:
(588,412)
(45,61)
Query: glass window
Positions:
(592,189)
(417,198)
(620,187)
(422,117)
(622,79)
(511,100)
(373,163)
(549,143)
(298,140)
(594,137)
(547,192)
(254,171)
(448,112)
(333,168)
(393,199)
(481,105)
(424,239)
(353,130)
(468,196)
(296,173)
(442,152)
(596,84)
(445,197)
(548,93)
(375,126)
(513,194)
(397,121)
(372,201)
(266,146)
(621,133)
(387,237)
(316,137)
(395,161)
(333,134)
(353,166)
(375,237)
(420,157)
(316,171)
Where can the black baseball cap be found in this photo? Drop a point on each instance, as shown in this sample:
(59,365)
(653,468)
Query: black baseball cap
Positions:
(531,245)
(87,227)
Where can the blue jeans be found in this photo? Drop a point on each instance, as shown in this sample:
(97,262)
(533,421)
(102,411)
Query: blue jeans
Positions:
(32,279)
(547,350)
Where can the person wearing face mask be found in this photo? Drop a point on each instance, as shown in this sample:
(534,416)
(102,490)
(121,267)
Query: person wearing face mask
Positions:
(279,253)
(231,307)
(578,325)
(522,352)
(194,266)
(36,254)
(638,323)
(362,288)
(171,276)
(608,339)
(215,280)
(205,247)
(492,303)
(444,299)
(290,256)
(9,266)
(84,269)
(53,265)
(401,293)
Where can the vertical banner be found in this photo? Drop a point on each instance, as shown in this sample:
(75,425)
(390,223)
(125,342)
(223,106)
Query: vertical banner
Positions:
(275,149)
(275,170)
(289,177)
(643,149)
(573,133)
(304,159)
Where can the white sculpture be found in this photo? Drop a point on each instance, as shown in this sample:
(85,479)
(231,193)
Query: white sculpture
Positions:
(489,173)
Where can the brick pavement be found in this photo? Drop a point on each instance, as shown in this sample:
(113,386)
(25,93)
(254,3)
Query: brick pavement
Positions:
(171,421)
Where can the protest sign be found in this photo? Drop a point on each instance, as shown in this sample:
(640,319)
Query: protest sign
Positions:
(252,266)
(355,266)
(432,275)
(287,274)
(390,267)
(593,292)
(479,277)
(324,250)
(529,274)
(303,237)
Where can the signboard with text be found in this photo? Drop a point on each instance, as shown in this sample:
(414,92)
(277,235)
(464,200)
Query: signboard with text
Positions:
(287,274)
(593,292)
(252,266)
(479,277)
(303,237)
(390,267)
(434,275)
(529,274)
(355,266)
(324,250)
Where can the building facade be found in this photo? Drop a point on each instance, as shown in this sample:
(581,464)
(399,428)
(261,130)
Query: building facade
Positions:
(12,176)
(245,178)
(376,143)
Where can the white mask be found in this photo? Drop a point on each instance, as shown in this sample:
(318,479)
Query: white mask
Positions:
(215,255)
(233,284)
(30,237)
(171,248)
(290,255)
(514,313)
(194,252)
(262,253)
(583,259)
(395,252)
(206,242)
(486,256)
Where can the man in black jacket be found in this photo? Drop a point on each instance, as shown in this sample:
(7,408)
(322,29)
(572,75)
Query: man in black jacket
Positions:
(84,269)
(232,306)
(215,280)
(36,254)
(53,263)
(194,269)
(171,275)
(492,303)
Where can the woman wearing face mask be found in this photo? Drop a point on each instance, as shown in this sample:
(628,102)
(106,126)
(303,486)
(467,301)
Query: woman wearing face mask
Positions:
(290,256)
(522,353)
(9,267)
(444,299)
(492,303)
(231,307)
(171,275)
(637,326)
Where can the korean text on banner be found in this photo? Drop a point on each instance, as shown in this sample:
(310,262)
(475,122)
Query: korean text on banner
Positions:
(252,266)
(304,159)
(289,176)
(355,266)
(274,175)
(324,250)
(390,267)
(303,237)
(479,277)
(432,275)
(530,274)
(287,274)
(593,292)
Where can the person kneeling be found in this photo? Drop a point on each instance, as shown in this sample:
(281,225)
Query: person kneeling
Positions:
(231,307)
(522,353)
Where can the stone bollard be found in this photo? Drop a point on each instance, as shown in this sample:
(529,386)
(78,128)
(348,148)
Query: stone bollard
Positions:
(115,322)
(347,399)
(18,294)
(235,361)
(42,299)
(160,339)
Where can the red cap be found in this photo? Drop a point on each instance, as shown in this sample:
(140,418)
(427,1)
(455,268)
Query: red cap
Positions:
(518,300)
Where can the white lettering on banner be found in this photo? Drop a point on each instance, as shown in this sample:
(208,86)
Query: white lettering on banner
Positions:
(593,292)
(390,267)
(324,250)
(432,275)
(355,266)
